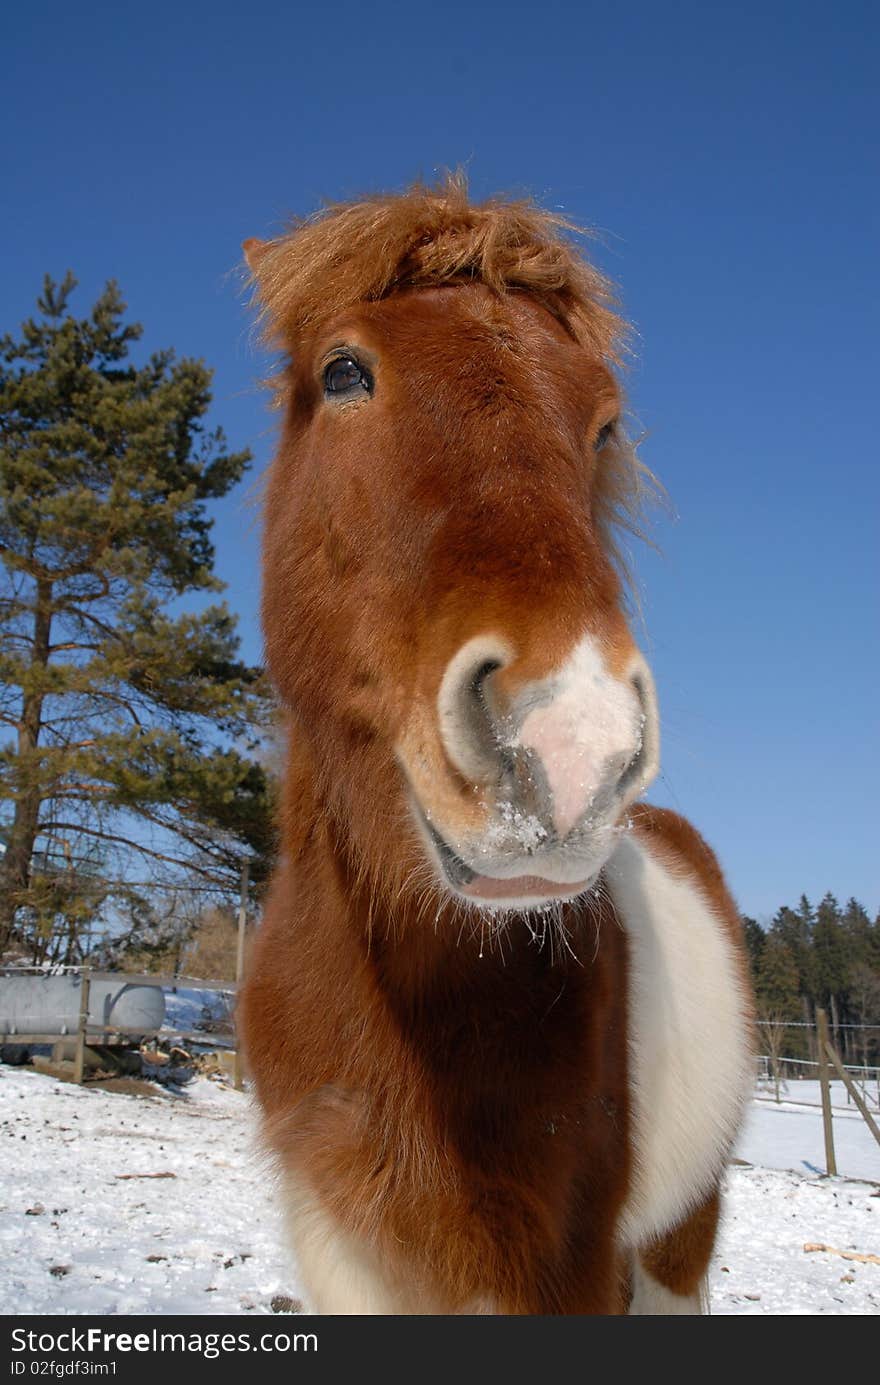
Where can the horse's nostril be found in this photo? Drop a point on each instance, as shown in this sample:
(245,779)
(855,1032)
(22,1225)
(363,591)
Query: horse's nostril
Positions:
(483,714)
(469,714)
(644,763)
(478,681)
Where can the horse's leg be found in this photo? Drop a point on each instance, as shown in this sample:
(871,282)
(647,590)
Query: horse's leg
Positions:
(339,1275)
(669,1275)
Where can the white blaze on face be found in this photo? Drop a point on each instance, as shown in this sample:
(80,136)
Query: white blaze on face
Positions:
(586,730)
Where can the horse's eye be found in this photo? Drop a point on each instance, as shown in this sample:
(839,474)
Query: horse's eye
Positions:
(603,436)
(344,375)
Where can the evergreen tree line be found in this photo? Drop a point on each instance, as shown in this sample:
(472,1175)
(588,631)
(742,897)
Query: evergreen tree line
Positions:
(827,957)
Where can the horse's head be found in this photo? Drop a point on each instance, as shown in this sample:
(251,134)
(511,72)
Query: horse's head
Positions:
(441,607)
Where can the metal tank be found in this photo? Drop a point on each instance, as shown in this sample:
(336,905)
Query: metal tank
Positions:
(50,1005)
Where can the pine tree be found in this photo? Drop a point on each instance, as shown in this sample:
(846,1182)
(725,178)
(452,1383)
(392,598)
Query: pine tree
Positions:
(777,996)
(863,978)
(795,928)
(754,938)
(831,963)
(776,980)
(862,936)
(128,723)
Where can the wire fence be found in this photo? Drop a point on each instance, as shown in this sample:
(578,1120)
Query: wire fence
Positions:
(796,1082)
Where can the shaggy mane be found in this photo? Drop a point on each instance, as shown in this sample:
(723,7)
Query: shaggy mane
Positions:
(356,252)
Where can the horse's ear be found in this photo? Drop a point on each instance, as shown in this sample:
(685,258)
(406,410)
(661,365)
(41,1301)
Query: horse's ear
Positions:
(254,250)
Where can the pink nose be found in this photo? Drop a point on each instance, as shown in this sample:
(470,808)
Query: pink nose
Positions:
(581,742)
(578,762)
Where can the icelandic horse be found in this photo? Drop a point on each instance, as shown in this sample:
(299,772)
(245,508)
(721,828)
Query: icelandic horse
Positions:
(497,1012)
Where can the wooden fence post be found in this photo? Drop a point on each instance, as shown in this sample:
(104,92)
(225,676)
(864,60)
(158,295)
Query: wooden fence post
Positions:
(79,1063)
(238,1070)
(856,1095)
(825,1086)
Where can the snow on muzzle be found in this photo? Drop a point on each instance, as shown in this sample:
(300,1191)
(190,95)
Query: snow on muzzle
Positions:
(555,767)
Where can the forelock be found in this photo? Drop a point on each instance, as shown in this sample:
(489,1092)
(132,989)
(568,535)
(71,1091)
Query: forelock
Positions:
(363,251)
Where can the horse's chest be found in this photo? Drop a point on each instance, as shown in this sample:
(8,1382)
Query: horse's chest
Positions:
(527,1128)
(512,1211)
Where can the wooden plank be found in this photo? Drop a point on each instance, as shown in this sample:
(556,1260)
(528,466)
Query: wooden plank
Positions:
(844,1254)
(95,1034)
(112,1034)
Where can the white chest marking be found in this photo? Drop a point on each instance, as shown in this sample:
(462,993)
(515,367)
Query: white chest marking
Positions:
(691,1063)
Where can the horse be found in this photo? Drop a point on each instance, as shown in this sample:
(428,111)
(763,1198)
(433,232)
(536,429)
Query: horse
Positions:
(497,1014)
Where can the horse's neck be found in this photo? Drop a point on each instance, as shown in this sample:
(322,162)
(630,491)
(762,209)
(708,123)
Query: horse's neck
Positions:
(441,968)
(449,975)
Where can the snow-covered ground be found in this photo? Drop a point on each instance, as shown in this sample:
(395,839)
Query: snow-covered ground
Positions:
(791,1137)
(87,1226)
(112,1239)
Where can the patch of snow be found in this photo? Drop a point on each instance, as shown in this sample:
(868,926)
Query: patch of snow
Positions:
(207,1240)
(760,1265)
(791,1137)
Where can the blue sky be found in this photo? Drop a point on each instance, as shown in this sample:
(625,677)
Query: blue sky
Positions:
(728,156)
